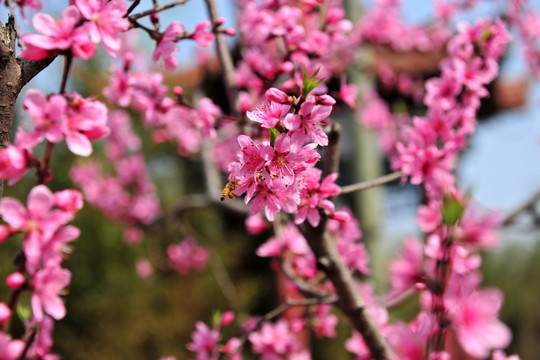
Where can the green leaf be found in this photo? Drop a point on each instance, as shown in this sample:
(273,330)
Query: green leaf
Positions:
(452,209)
(309,82)
(23,311)
(216,318)
(274,133)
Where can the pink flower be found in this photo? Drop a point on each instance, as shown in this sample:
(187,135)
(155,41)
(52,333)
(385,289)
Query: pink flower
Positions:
(474,316)
(13,163)
(307,124)
(202,37)
(348,93)
(255,224)
(407,269)
(68,200)
(38,216)
(86,120)
(144,268)
(269,116)
(499,355)
(10,349)
(58,36)
(47,114)
(204,342)
(48,284)
(166,46)
(273,341)
(409,340)
(106,21)
(186,256)
(290,239)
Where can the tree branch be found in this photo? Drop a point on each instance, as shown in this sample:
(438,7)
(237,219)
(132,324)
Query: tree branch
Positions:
(14,74)
(349,299)
(330,262)
(371,183)
(225,61)
(526,206)
(155,10)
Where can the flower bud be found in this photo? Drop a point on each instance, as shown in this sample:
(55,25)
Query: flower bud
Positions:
(230,31)
(277,96)
(326,100)
(5,313)
(15,280)
(227,318)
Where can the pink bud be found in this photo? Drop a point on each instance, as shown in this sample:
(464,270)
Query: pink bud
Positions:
(277,96)
(220,21)
(4,233)
(68,200)
(15,280)
(178,91)
(5,313)
(420,286)
(231,345)
(255,224)
(325,100)
(287,67)
(230,31)
(144,268)
(341,216)
(133,235)
(227,318)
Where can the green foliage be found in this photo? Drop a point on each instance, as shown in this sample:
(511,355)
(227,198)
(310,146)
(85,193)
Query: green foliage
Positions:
(309,83)
(452,209)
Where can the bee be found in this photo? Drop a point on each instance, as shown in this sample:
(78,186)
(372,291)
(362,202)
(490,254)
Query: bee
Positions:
(227,191)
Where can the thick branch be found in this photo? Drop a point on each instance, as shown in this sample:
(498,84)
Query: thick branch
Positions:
(349,299)
(371,183)
(14,74)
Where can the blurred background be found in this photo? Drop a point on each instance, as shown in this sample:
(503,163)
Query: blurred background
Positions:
(114,314)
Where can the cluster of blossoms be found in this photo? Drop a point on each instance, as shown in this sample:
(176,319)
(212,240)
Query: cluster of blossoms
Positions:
(83,24)
(205,341)
(169,119)
(203,35)
(382,25)
(526,20)
(186,255)
(55,117)
(129,196)
(445,269)
(280,39)
(43,225)
(278,173)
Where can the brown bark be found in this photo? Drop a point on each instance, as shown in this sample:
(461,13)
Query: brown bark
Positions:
(14,74)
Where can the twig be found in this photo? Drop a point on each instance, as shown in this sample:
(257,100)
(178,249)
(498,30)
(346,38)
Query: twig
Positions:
(526,206)
(132,7)
(331,152)
(29,342)
(155,10)
(371,183)
(193,202)
(225,60)
(304,287)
